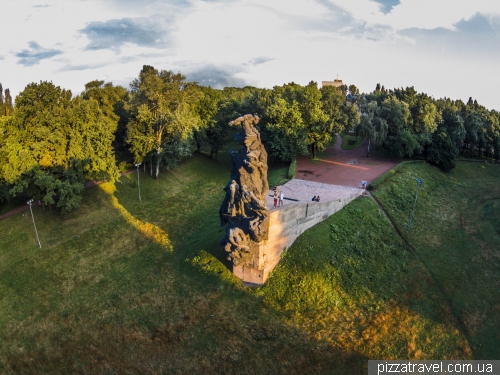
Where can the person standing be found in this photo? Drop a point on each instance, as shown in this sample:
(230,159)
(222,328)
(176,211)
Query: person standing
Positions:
(275,199)
(281,196)
(363,184)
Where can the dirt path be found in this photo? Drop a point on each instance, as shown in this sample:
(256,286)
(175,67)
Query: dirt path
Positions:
(87,185)
(344,167)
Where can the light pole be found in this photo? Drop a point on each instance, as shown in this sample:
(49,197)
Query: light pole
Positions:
(138,183)
(30,202)
(419,182)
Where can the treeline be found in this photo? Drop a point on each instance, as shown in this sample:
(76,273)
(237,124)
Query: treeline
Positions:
(51,143)
(410,124)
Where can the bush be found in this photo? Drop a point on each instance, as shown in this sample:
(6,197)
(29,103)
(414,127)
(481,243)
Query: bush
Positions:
(291,169)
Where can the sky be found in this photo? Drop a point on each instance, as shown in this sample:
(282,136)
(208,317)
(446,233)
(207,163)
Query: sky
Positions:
(445,48)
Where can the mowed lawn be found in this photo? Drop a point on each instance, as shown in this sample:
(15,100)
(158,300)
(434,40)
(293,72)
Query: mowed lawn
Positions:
(121,286)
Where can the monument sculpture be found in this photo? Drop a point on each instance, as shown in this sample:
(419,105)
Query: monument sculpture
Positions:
(243,210)
(255,238)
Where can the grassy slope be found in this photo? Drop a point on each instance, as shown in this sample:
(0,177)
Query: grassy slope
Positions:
(456,232)
(118,287)
(142,287)
(352,282)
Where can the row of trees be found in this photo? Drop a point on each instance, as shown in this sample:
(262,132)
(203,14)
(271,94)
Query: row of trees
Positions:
(52,142)
(408,124)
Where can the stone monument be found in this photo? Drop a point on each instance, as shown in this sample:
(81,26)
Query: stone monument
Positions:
(255,237)
(243,210)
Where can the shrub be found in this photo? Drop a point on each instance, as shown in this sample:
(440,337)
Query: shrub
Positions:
(291,169)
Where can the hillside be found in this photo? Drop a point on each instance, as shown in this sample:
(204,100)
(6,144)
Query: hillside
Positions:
(122,286)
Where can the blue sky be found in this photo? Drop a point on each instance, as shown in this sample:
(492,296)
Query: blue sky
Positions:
(441,47)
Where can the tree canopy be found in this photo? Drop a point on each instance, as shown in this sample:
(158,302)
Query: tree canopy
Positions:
(52,143)
(163,113)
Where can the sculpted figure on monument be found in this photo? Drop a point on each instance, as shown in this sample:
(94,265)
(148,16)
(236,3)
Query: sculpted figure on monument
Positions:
(243,210)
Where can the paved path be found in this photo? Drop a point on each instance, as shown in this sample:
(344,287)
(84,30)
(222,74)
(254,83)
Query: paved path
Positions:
(297,190)
(344,167)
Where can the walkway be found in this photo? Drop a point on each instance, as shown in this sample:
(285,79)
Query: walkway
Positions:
(297,190)
(344,167)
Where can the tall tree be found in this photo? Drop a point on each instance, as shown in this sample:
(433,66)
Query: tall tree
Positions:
(163,112)
(371,126)
(448,138)
(219,133)
(1,100)
(207,108)
(8,105)
(284,132)
(354,91)
(111,101)
(319,129)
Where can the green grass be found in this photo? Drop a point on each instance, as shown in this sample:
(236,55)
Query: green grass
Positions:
(121,286)
(456,232)
(352,282)
(351,142)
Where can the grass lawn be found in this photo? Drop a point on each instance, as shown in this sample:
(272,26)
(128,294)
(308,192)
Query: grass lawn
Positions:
(121,286)
(456,232)
(351,142)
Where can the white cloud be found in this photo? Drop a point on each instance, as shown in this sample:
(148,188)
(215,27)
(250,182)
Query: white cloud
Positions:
(426,14)
(258,42)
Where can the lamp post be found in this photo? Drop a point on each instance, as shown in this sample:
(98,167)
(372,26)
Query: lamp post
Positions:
(419,182)
(138,183)
(30,202)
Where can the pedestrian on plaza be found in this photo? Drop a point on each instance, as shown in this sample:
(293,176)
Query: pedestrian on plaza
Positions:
(363,184)
(275,196)
(281,196)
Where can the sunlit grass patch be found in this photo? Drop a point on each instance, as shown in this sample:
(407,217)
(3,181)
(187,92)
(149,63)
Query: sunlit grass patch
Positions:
(351,281)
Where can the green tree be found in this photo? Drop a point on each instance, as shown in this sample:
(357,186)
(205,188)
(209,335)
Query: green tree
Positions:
(354,91)
(401,139)
(207,108)
(7,105)
(319,129)
(334,105)
(53,143)
(284,133)
(2,111)
(448,138)
(371,126)
(219,133)
(112,100)
(162,107)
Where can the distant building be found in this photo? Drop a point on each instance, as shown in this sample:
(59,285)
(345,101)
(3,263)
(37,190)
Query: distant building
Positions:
(335,82)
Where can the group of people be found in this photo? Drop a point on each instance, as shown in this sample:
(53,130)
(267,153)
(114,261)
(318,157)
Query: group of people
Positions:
(316,198)
(278,197)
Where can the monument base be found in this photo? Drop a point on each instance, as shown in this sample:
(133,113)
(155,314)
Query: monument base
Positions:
(286,224)
(251,275)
